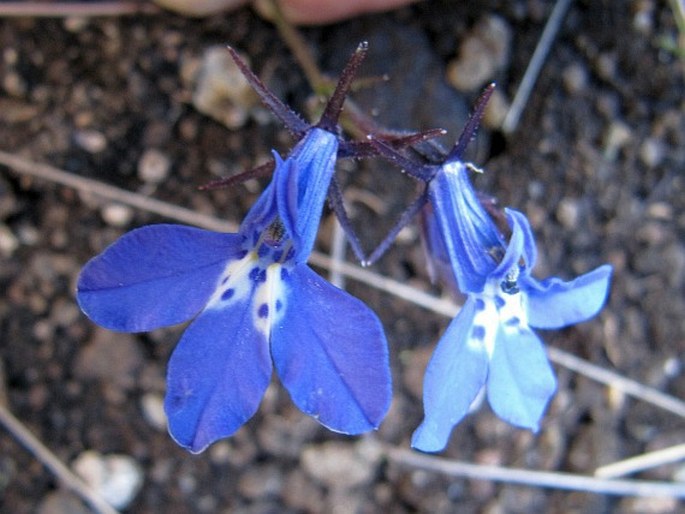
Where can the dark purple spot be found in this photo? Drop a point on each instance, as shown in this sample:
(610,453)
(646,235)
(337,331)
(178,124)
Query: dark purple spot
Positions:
(279,305)
(499,302)
(284,274)
(241,254)
(225,279)
(258,275)
(478,332)
(513,322)
(289,255)
(255,237)
(228,294)
(263,311)
(480,305)
(277,255)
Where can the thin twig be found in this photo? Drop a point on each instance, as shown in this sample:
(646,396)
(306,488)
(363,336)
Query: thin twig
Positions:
(94,187)
(52,462)
(555,480)
(619,382)
(81,9)
(513,116)
(642,462)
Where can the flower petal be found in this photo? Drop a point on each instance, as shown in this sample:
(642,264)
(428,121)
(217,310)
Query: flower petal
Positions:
(454,376)
(217,375)
(554,303)
(331,354)
(521,381)
(302,185)
(519,240)
(154,276)
(467,230)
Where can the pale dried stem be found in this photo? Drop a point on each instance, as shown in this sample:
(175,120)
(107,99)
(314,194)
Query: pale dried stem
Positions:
(53,463)
(78,9)
(550,479)
(511,120)
(642,462)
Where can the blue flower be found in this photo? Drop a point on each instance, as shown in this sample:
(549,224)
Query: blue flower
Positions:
(490,343)
(253,301)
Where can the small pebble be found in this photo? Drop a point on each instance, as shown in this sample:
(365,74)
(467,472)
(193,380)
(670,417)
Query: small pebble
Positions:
(116,215)
(91,141)
(483,53)
(616,137)
(154,166)
(8,241)
(117,478)
(652,152)
(152,405)
(568,212)
(660,211)
(221,91)
(339,465)
(496,110)
(574,78)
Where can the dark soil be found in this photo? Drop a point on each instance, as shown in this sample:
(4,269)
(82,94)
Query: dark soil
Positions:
(596,163)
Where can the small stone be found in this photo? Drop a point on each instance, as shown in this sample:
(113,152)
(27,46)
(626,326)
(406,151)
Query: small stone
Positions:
(220,90)
(643,16)
(91,141)
(8,241)
(117,478)
(483,53)
(652,152)
(616,137)
(340,465)
(574,78)
(496,110)
(154,166)
(660,211)
(568,212)
(152,405)
(116,215)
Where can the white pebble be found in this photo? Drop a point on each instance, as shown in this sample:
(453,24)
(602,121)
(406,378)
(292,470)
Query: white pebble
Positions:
(482,54)
(91,141)
(116,215)
(8,241)
(221,91)
(568,212)
(154,166)
(117,478)
(152,406)
(652,152)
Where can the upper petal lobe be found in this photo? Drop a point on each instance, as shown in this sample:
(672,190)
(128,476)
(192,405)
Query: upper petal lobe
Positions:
(154,276)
